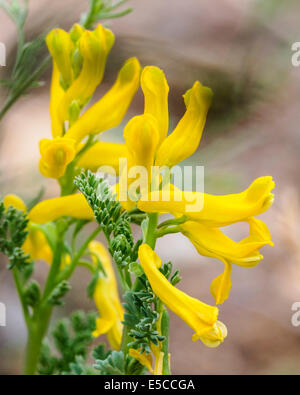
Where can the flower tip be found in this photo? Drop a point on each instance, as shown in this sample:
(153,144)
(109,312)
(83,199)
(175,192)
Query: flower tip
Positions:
(130,69)
(153,76)
(14,201)
(213,337)
(198,96)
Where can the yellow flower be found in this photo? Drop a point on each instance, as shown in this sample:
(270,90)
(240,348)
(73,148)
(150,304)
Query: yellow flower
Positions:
(212,242)
(56,154)
(198,315)
(103,154)
(79,59)
(145,135)
(36,244)
(217,210)
(107,299)
(156,90)
(109,111)
(49,210)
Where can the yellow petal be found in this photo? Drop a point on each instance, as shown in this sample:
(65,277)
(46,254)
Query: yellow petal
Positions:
(36,245)
(102,254)
(144,359)
(215,336)
(56,154)
(14,201)
(214,243)
(107,298)
(103,154)
(156,89)
(66,206)
(109,111)
(217,210)
(93,48)
(56,96)
(142,138)
(61,46)
(185,138)
(221,285)
(198,315)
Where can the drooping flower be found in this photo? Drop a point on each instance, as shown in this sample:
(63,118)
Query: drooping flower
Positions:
(107,300)
(202,225)
(212,242)
(201,317)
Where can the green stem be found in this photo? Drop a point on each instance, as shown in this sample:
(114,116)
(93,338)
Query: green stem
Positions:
(165,325)
(166,231)
(34,76)
(66,274)
(151,230)
(54,270)
(20,294)
(36,334)
(39,323)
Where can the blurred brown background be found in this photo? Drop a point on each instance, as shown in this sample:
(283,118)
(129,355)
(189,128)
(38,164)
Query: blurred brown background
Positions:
(242,49)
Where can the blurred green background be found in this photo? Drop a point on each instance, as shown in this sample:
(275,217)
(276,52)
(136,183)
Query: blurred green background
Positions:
(242,50)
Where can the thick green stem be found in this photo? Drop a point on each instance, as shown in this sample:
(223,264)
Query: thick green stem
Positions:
(36,333)
(39,322)
(151,230)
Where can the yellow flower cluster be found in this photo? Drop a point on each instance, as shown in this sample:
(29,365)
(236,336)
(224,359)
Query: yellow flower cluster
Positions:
(79,59)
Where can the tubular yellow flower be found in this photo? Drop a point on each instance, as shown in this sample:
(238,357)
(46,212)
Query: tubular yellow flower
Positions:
(56,154)
(61,46)
(36,244)
(185,138)
(156,90)
(141,138)
(217,210)
(56,95)
(109,111)
(198,315)
(103,154)
(79,59)
(94,48)
(107,299)
(66,206)
(214,243)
